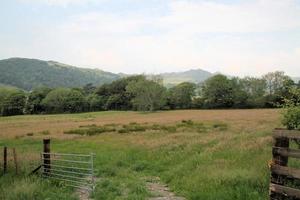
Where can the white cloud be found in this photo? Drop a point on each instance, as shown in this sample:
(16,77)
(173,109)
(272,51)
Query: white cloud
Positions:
(256,16)
(188,17)
(58,2)
(214,36)
(104,24)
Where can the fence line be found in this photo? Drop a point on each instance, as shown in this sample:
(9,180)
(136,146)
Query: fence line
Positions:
(8,159)
(75,170)
(283,177)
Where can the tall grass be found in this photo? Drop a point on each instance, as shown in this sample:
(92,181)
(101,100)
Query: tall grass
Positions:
(32,188)
(198,160)
(184,125)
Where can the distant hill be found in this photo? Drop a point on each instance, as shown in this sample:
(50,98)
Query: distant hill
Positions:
(31,73)
(296,79)
(194,75)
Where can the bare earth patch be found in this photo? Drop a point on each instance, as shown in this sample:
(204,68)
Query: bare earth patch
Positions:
(160,191)
(83,194)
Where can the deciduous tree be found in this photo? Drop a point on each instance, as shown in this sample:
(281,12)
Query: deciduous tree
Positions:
(217,92)
(148,95)
(180,96)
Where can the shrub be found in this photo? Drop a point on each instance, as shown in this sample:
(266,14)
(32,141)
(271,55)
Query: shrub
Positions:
(291,112)
(291,117)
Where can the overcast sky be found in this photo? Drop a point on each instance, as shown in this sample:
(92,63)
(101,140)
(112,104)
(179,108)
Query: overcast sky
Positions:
(150,36)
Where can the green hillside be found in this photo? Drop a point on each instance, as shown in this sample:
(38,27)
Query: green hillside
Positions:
(194,75)
(31,73)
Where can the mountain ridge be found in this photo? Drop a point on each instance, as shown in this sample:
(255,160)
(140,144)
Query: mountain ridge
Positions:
(28,73)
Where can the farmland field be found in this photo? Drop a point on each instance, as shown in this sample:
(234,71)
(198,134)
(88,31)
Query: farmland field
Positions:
(199,154)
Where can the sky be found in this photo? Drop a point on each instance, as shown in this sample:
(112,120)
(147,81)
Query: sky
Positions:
(235,37)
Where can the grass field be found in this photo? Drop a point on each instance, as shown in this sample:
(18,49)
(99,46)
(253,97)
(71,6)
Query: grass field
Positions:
(199,154)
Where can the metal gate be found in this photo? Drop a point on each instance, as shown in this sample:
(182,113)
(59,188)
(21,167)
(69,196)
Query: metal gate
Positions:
(75,170)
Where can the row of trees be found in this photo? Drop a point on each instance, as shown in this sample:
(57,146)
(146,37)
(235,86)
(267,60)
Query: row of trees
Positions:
(268,91)
(149,94)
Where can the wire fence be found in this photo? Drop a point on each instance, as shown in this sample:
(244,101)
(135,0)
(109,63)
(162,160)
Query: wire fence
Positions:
(19,160)
(75,170)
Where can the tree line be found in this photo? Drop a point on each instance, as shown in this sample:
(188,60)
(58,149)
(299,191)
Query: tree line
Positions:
(148,94)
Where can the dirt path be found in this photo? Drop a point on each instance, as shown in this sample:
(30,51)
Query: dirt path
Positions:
(83,194)
(160,191)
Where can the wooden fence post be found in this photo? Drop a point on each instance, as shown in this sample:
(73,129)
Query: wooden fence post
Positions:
(5,160)
(278,159)
(15,160)
(46,157)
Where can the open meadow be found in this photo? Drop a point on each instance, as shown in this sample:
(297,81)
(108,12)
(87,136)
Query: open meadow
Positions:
(198,154)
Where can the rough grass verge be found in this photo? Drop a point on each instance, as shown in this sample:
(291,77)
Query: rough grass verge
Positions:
(184,125)
(91,131)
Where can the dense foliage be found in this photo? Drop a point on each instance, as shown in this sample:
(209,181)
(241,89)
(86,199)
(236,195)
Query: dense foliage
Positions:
(180,96)
(291,112)
(115,95)
(149,94)
(63,100)
(12,101)
(218,92)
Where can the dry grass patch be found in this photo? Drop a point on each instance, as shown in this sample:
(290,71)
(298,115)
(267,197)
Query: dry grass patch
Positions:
(56,124)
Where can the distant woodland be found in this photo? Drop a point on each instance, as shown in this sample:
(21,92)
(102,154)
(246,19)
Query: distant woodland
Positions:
(149,94)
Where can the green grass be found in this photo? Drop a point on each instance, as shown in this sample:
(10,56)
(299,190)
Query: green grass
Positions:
(188,169)
(198,160)
(32,188)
